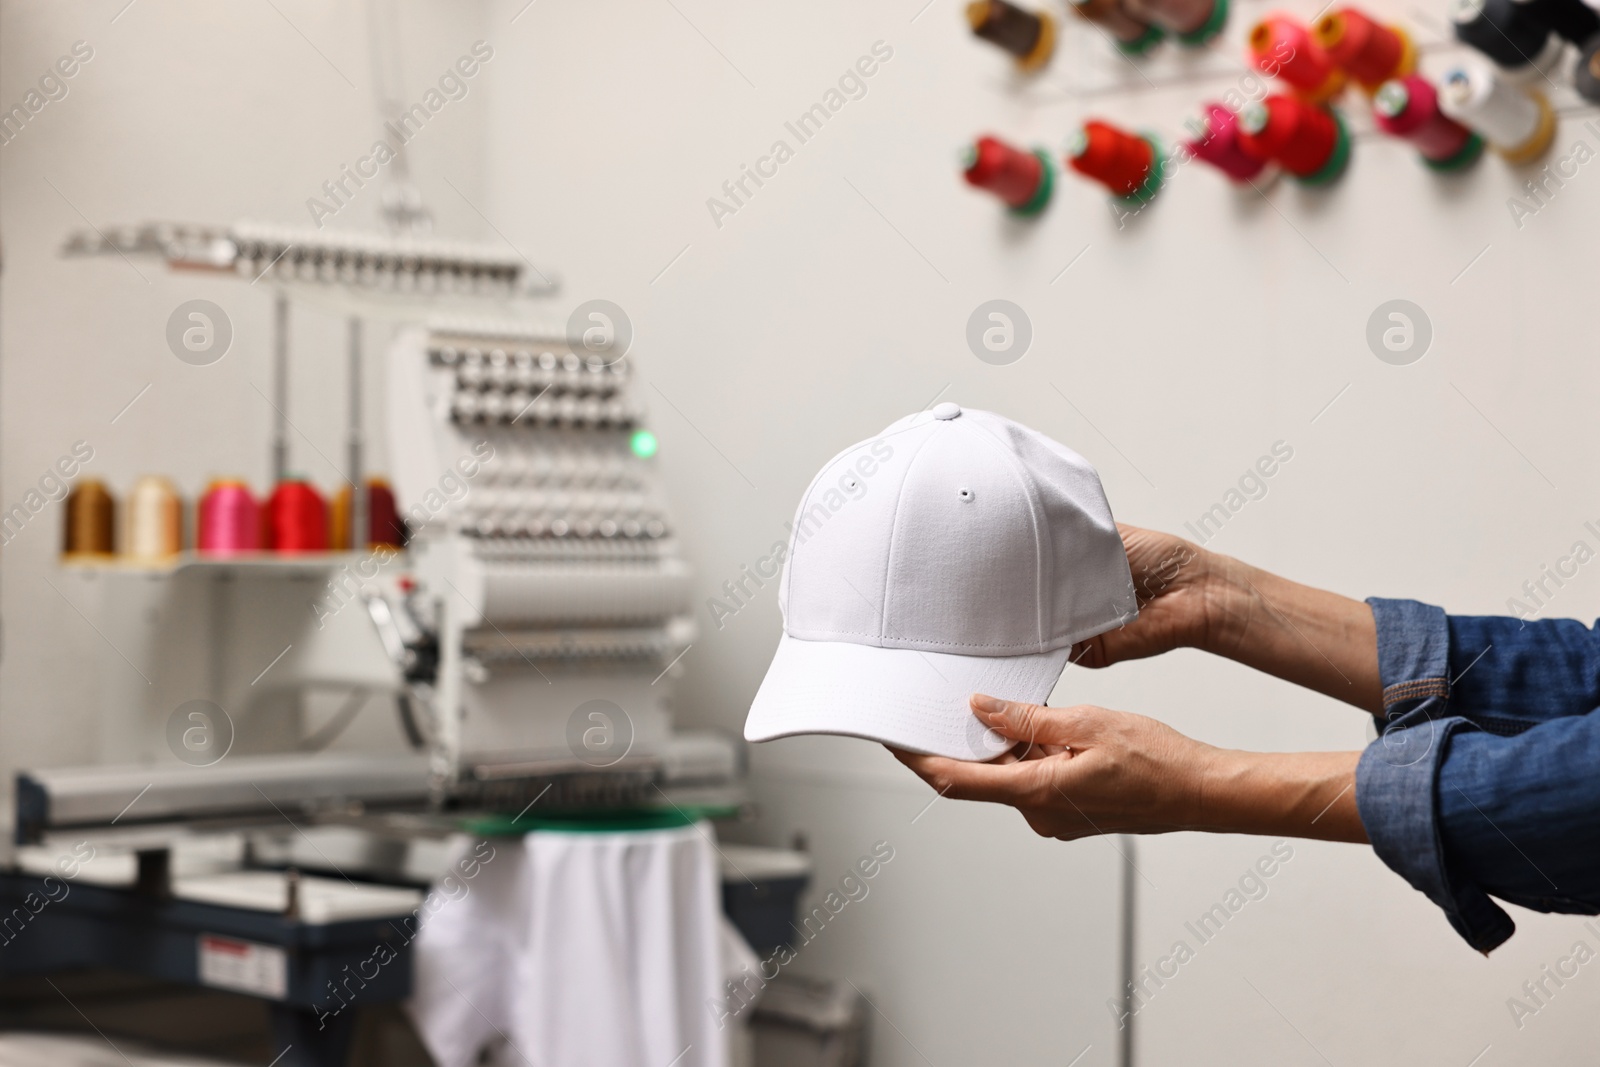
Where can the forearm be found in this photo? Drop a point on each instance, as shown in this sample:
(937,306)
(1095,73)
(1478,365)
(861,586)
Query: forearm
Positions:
(1311,637)
(1286,794)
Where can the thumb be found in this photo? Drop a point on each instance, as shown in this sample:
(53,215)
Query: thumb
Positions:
(1093,653)
(1145,636)
(1030,723)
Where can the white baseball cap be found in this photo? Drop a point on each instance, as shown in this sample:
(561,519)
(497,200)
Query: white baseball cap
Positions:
(957,552)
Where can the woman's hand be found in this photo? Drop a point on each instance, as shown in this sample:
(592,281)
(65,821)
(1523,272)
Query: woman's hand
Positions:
(1078,771)
(1191,597)
(1175,582)
(1085,770)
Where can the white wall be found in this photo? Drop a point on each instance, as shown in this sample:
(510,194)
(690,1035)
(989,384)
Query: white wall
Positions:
(1214,325)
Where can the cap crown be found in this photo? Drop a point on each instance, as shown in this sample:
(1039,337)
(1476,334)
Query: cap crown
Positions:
(956,531)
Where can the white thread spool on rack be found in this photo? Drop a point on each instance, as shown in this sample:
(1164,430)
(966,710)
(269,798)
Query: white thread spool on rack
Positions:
(1516,120)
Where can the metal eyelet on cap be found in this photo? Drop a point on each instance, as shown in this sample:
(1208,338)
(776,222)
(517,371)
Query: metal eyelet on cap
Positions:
(965,494)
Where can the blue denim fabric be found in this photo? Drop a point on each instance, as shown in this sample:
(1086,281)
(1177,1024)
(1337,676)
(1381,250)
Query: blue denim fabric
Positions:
(1485,778)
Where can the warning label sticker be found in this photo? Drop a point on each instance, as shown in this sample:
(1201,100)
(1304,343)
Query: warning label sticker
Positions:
(244,966)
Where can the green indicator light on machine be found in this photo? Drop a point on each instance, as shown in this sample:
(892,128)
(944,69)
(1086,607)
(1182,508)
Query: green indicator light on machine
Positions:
(643,443)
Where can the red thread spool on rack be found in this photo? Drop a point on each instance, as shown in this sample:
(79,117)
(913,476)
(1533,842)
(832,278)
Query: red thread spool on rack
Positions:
(1218,144)
(1128,164)
(1369,52)
(1023,180)
(1307,140)
(1408,108)
(384,527)
(297,519)
(1283,48)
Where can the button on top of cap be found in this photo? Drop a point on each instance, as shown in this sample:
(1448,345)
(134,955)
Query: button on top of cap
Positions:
(946,411)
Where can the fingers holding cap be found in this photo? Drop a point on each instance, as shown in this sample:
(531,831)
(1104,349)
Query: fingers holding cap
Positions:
(960,780)
(1032,723)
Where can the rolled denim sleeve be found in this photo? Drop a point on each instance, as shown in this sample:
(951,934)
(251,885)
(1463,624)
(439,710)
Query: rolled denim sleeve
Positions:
(1508,673)
(1398,774)
(1520,816)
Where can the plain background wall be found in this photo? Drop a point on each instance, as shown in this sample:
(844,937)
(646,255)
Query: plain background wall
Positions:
(1172,353)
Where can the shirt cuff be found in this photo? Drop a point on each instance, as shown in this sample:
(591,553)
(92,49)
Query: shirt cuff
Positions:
(1397,776)
(1413,653)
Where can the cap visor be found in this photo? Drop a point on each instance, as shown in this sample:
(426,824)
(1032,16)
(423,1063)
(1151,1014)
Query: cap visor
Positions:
(901,697)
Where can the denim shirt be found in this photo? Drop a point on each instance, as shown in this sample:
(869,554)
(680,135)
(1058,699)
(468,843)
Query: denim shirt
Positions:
(1485,777)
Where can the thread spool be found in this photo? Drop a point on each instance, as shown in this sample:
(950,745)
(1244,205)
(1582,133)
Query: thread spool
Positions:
(1126,163)
(154,520)
(1517,122)
(1368,51)
(1023,180)
(1508,33)
(91,520)
(1133,35)
(1408,108)
(384,528)
(1218,144)
(384,525)
(1282,47)
(1586,76)
(297,519)
(1191,22)
(1571,20)
(1307,140)
(228,519)
(1029,37)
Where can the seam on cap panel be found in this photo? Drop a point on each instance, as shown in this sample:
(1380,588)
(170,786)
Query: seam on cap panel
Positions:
(794,532)
(1029,647)
(805,499)
(894,525)
(811,487)
(1032,493)
(794,527)
(1071,637)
